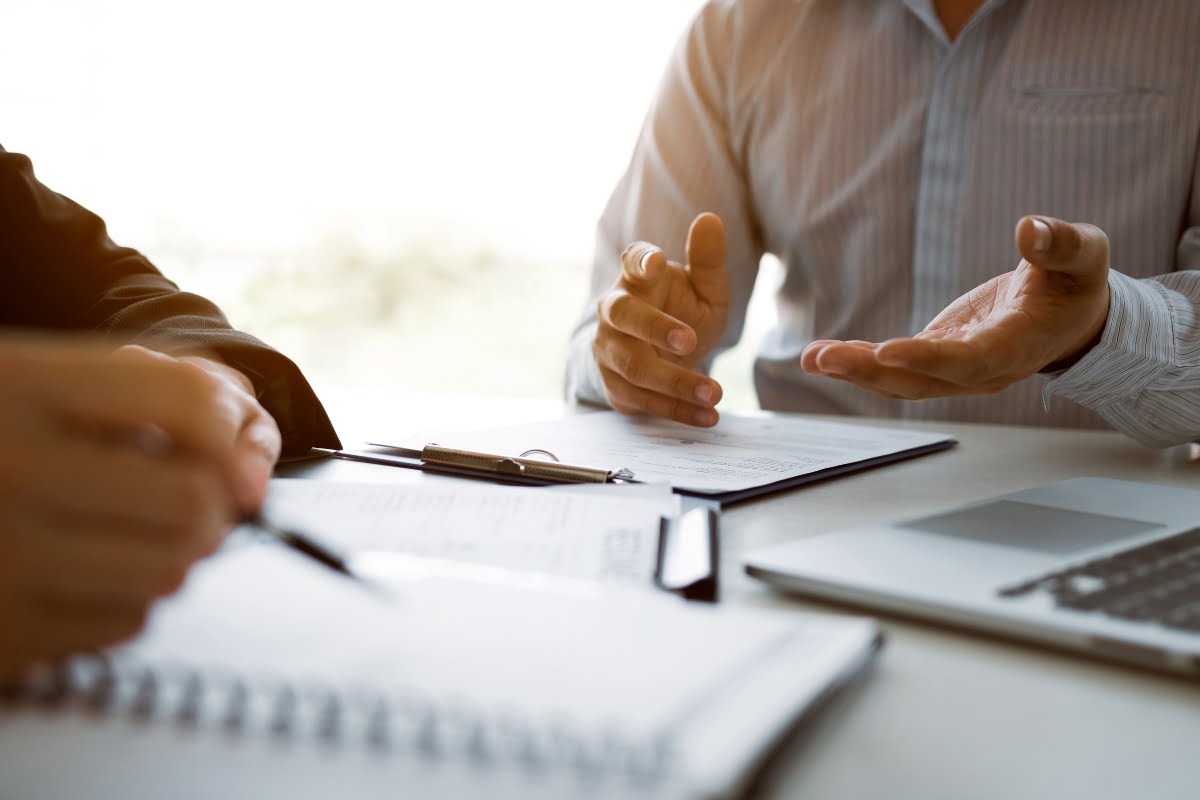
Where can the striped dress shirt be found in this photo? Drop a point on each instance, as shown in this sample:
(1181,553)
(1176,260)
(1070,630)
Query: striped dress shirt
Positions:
(887,166)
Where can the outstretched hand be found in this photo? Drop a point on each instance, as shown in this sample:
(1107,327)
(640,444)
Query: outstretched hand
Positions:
(1048,312)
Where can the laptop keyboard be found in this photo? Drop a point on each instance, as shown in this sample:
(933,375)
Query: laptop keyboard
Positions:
(1155,582)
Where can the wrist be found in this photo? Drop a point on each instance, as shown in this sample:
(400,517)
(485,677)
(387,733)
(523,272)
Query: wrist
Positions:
(1084,345)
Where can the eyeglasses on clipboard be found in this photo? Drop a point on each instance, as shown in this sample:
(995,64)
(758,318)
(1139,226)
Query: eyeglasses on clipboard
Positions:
(519,469)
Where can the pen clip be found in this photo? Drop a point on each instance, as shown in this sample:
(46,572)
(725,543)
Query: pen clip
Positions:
(550,471)
(510,466)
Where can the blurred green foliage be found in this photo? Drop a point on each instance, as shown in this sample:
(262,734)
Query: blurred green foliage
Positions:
(435,311)
(413,305)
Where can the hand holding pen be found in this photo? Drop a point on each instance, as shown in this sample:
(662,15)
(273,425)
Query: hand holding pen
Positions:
(96,529)
(253,446)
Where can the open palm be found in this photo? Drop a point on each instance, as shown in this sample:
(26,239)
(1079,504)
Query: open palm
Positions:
(1046,313)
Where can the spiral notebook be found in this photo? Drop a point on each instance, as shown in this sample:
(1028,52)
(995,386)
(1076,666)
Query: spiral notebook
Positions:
(269,677)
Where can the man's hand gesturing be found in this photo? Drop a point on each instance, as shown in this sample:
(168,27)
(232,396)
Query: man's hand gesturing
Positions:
(1048,312)
(658,324)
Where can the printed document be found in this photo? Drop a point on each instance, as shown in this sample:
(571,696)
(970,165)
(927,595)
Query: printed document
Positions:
(610,534)
(739,453)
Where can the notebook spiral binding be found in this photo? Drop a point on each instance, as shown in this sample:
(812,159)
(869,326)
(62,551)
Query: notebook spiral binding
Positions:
(384,723)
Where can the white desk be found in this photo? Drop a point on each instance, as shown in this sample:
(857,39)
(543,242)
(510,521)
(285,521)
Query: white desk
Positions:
(944,714)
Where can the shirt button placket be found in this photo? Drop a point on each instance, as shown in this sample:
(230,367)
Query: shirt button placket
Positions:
(949,123)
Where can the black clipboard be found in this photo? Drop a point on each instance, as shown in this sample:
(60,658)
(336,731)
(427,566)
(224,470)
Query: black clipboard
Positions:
(412,459)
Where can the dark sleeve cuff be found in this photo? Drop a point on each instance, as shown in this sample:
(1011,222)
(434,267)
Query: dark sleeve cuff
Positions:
(285,394)
(178,322)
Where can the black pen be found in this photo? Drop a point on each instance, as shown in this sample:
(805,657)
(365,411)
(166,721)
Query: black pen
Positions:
(154,442)
(301,543)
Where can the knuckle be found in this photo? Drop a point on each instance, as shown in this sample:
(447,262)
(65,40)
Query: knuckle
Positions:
(624,400)
(195,385)
(616,392)
(625,362)
(616,306)
(680,385)
(605,303)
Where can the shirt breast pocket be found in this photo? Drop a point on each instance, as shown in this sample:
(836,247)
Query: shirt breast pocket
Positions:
(1097,130)
(1110,102)
(1104,154)
(1069,147)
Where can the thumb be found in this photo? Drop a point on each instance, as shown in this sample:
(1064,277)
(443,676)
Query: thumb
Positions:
(1071,248)
(706,258)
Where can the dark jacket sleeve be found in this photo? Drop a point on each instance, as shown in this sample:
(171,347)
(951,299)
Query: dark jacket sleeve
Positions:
(62,272)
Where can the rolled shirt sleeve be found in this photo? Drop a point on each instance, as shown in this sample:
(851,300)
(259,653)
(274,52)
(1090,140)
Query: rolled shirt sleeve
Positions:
(1143,377)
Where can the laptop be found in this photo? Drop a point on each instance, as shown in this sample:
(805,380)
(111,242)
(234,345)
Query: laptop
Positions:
(1107,567)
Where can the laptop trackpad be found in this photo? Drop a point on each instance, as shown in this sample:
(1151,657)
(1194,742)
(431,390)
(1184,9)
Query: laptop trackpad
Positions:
(1031,527)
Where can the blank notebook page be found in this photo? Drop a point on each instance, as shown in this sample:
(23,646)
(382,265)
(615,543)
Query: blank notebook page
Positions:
(631,680)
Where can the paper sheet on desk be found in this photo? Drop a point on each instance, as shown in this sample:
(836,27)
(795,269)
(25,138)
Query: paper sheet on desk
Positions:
(607,535)
(739,453)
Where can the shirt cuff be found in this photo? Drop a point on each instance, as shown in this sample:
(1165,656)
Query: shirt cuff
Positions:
(1136,348)
(583,381)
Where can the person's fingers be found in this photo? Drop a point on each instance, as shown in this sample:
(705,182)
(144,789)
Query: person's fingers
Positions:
(811,355)
(706,258)
(632,315)
(641,366)
(641,265)
(258,442)
(975,361)
(95,560)
(860,366)
(172,496)
(1076,249)
(628,399)
(808,357)
(255,453)
(133,390)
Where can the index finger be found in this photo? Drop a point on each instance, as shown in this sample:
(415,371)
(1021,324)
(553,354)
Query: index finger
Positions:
(642,263)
